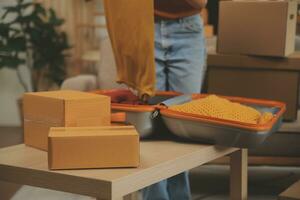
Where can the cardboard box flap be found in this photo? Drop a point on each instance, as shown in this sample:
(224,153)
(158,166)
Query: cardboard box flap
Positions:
(66,95)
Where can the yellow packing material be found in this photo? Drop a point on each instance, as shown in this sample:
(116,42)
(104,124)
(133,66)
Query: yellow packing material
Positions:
(131,29)
(218,107)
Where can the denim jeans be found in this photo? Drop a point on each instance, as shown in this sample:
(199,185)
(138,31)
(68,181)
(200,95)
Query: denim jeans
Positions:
(180,54)
(180,57)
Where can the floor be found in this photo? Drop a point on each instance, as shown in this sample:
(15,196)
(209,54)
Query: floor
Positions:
(209,182)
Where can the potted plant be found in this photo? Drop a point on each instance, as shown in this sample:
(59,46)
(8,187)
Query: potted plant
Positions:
(32,38)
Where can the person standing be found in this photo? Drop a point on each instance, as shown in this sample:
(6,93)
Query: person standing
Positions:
(180,58)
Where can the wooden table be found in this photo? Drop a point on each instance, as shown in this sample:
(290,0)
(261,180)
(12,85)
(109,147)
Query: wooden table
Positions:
(159,160)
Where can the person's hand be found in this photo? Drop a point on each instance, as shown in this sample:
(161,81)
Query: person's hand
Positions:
(122,96)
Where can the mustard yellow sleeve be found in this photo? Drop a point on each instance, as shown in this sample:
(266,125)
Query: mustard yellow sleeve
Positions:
(130,25)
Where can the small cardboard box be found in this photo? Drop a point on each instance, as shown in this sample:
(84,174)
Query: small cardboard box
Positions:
(43,110)
(93,147)
(252,27)
(292,193)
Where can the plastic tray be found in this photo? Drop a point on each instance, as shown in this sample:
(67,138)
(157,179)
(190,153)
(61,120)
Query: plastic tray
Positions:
(144,117)
(224,132)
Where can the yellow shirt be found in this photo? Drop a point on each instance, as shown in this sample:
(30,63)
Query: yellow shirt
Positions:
(131,29)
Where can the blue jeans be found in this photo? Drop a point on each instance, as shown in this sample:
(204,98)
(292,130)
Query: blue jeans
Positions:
(180,56)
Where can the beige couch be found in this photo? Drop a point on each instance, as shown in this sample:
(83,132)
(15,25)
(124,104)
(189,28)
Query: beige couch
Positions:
(105,77)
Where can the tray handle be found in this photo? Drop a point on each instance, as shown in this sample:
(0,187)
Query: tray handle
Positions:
(118,117)
(177,100)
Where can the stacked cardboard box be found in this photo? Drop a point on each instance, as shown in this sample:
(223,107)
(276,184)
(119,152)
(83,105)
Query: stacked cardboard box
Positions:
(43,110)
(254,27)
(255,52)
(256,77)
(83,137)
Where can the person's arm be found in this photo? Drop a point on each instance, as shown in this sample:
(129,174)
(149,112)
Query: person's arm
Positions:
(197,4)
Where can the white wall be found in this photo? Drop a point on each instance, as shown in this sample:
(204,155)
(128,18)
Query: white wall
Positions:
(10,90)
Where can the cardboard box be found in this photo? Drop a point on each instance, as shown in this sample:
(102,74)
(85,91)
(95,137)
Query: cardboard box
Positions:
(261,84)
(43,110)
(256,77)
(292,193)
(252,27)
(93,147)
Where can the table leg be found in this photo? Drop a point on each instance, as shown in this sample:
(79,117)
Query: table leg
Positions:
(239,175)
(127,197)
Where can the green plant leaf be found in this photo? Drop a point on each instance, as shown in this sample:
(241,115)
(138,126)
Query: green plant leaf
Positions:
(25,5)
(39,9)
(11,61)
(17,44)
(54,20)
(38,32)
(11,9)
(5,14)
(4,30)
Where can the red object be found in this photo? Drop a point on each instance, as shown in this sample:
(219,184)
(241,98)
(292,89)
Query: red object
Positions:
(123,96)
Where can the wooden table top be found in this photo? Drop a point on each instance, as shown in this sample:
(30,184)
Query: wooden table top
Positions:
(159,160)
